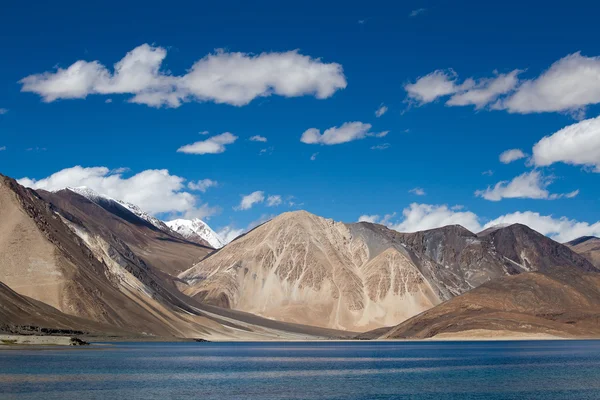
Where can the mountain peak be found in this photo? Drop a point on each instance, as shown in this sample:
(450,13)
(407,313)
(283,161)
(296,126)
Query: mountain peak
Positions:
(197,231)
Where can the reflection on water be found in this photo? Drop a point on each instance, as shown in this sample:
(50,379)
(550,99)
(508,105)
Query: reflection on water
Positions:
(357,370)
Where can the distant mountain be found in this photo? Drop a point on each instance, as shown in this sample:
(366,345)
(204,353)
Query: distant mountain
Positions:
(302,268)
(587,246)
(196,230)
(88,263)
(561,302)
(104,200)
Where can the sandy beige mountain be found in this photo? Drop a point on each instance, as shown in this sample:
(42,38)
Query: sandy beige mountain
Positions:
(310,270)
(303,268)
(588,247)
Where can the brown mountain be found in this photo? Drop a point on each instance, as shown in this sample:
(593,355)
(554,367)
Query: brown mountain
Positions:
(306,269)
(587,246)
(103,265)
(563,302)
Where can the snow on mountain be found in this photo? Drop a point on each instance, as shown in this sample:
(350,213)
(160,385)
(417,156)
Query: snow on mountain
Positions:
(144,215)
(196,229)
(96,197)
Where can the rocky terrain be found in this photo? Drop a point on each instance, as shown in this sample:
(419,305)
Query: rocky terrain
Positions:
(559,302)
(303,268)
(75,261)
(587,246)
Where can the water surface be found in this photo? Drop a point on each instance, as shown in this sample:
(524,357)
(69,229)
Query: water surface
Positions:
(322,370)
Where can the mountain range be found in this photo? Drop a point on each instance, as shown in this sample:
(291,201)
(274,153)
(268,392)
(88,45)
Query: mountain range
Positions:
(81,261)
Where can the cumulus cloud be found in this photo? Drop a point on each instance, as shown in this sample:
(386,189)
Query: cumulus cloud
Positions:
(561,229)
(250,200)
(381,110)
(202,185)
(437,84)
(222,77)
(213,145)
(229,233)
(419,217)
(418,191)
(511,155)
(478,93)
(258,138)
(155,190)
(348,132)
(313,157)
(274,200)
(571,83)
(2,148)
(530,185)
(489,172)
(568,85)
(3,111)
(577,144)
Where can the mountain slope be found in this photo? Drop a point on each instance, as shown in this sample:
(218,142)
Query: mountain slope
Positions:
(196,231)
(303,268)
(562,302)
(588,247)
(306,269)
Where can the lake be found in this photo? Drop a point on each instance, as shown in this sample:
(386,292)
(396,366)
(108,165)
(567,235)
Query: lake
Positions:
(308,370)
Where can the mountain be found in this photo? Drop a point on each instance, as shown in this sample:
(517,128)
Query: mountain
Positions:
(197,231)
(587,246)
(561,302)
(67,262)
(305,269)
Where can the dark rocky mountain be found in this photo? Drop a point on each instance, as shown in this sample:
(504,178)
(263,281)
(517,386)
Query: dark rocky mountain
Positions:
(561,302)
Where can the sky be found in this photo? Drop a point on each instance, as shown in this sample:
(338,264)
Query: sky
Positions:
(414,114)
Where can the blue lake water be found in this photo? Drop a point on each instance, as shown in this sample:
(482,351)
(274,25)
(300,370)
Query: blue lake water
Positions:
(324,370)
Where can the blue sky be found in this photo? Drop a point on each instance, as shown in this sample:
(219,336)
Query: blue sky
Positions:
(352,58)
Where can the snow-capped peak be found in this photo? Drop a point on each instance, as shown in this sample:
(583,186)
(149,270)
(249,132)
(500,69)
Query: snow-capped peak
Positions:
(95,197)
(194,229)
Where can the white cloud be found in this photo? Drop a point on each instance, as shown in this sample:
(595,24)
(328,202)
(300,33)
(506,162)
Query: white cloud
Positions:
(381,110)
(229,232)
(3,111)
(213,145)
(382,146)
(418,191)
(478,93)
(369,218)
(419,217)
(154,190)
(250,200)
(274,200)
(434,85)
(485,90)
(416,12)
(202,185)
(577,144)
(571,83)
(348,132)
(511,155)
(531,185)
(560,229)
(313,157)
(258,138)
(489,172)
(220,77)
(108,101)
